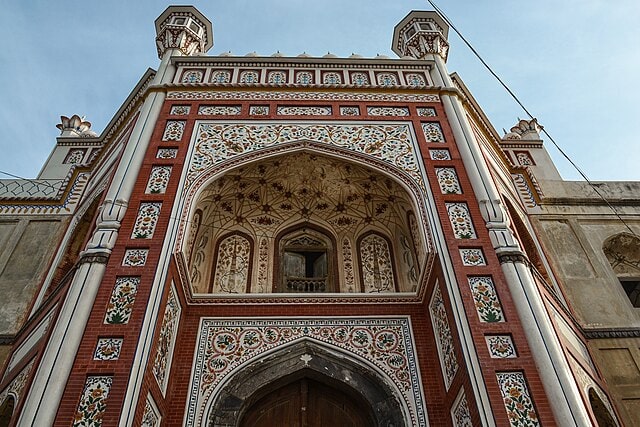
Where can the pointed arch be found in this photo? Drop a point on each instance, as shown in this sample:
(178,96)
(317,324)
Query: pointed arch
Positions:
(623,253)
(306,358)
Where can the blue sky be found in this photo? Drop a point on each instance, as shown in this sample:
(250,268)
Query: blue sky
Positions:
(574,63)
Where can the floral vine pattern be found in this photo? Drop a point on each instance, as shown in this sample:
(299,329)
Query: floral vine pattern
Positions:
(150,416)
(303,111)
(444,337)
(135,257)
(377,269)
(388,111)
(219,110)
(460,412)
(146,220)
(426,112)
(486,299)
(439,155)
(108,349)
(158,180)
(167,153)
(448,181)
(93,402)
(347,264)
(225,345)
(219,142)
(180,110)
(232,267)
(122,298)
(349,111)
(517,399)
(174,130)
(263,264)
(461,221)
(259,110)
(500,346)
(433,132)
(167,339)
(472,257)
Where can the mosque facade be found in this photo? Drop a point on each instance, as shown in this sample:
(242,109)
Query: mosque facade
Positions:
(297,241)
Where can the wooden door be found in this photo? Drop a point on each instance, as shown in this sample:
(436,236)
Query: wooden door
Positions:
(307,403)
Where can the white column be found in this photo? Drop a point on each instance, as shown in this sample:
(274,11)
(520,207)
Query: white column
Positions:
(43,399)
(561,390)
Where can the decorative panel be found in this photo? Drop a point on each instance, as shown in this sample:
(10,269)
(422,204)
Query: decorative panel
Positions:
(220,76)
(432,132)
(151,415)
(416,237)
(174,130)
(332,78)
(439,155)
(146,220)
(93,402)
(360,79)
(304,78)
(277,77)
(232,266)
(388,111)
(426,112)
(75,156)
(377,267)
(387,79)
(517,399)
(349,111)
(224,346)
(414,79)
(180,110)
(303,111)
(444,337)
(218,142)
(219,110)
(158,180)
(500,346)
(461,221)
(259,110)
(108,349)
(167,153)
(347,265)
(486,299)
(472,257)
(263,264)
(192,76)
(460,413)
(135,257)
(122,298)
(524,159)
(312,96)
(448,180)
(167,339)
(249,77)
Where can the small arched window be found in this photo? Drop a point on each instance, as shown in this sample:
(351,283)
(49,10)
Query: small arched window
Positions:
(376,262)
(623,253)
(306,257)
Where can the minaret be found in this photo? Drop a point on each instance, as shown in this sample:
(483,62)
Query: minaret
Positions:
(181,30)
(423,35)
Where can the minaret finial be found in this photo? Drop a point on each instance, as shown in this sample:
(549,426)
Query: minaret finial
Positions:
(183,28)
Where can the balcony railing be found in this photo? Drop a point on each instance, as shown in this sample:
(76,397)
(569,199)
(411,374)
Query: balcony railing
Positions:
(306,284)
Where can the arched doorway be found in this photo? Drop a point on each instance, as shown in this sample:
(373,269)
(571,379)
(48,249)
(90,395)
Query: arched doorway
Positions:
(600,411)
(307,402)
(6,411)
(340,391)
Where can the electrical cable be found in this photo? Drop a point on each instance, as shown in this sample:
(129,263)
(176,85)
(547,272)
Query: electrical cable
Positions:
(517,100)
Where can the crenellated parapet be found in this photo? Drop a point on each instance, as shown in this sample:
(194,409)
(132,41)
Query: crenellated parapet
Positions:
(183,28)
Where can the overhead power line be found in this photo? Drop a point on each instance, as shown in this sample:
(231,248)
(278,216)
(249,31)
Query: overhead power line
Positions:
(517,100)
